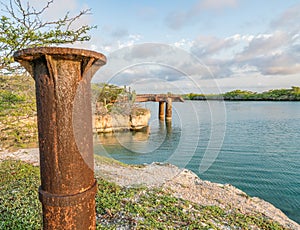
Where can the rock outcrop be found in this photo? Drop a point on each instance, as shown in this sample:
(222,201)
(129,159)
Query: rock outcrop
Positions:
(112,122)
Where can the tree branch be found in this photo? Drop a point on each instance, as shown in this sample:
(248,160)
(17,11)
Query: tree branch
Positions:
(24,27)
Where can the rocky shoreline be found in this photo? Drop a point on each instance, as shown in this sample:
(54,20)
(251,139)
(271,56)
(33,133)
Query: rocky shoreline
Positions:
(182,183)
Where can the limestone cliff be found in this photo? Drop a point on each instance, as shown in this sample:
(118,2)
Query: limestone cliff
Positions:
(137,119)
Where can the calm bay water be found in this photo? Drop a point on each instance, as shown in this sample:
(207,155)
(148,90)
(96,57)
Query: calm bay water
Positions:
(254,146)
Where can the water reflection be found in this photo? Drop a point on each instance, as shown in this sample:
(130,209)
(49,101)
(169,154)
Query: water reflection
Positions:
(168,126)
(115,138)
(128,146)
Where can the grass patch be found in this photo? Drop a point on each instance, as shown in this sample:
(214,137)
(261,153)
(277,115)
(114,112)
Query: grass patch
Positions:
(108,161)
(19,204)
(137,208)
(143,208)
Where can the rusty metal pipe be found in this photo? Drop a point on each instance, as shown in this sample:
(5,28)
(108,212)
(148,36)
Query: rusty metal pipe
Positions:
(68,187)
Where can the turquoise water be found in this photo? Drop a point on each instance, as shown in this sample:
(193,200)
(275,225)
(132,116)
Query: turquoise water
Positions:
(254,146)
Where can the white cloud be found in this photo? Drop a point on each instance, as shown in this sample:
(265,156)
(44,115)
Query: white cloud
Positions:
(135,37)
(271,54)
(183,43)
(289,20)
(281,64)
(58,9)
(296,37)
(98,43)
(164,60)
(131,40)
(274,53)
(263,45)
(247,61)
(205,46)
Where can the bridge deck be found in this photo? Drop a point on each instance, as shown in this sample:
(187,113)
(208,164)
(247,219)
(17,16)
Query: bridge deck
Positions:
(157,98)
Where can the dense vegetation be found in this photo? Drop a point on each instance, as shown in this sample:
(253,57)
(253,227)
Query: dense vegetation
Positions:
(109,94)
(116,207)
(109,98)
(292,94)
(18,128)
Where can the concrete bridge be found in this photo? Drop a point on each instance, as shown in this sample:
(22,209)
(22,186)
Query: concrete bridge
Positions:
(164,112)
(157,98)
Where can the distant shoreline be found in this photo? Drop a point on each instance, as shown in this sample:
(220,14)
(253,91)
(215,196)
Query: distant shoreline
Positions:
(223,99)
(292,94)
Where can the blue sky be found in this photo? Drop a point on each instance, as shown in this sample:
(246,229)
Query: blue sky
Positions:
(194,45)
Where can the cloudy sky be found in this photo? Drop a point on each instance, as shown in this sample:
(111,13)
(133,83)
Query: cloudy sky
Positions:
(205,46)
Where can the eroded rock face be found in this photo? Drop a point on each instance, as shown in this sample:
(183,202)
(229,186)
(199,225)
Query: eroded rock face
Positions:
(138,119)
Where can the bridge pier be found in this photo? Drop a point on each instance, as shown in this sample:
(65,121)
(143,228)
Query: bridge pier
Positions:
(161,110)
(169,109)
(165,112)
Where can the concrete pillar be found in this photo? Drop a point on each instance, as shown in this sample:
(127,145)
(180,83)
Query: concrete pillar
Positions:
(161,110)
(68,187)
(169,109)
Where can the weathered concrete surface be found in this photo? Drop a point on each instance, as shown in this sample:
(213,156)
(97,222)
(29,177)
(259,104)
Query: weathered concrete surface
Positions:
(118,122)
(139,119)
(161,110)
(169,109)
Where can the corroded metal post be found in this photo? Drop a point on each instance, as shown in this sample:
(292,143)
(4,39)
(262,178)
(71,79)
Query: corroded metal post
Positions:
(62,77)
(161,110)
(169,109)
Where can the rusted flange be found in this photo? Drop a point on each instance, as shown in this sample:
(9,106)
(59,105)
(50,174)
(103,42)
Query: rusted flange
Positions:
(27,56)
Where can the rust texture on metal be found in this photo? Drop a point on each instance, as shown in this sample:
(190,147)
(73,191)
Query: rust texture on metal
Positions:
(62,77)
